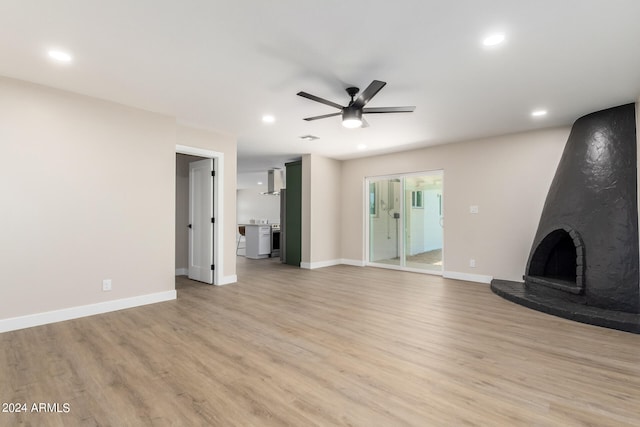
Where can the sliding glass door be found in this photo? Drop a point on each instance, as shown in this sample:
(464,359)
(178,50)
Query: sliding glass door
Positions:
(384,221)
(405,221)
(423,222)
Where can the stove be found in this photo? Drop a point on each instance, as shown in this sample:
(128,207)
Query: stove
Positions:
(275,240)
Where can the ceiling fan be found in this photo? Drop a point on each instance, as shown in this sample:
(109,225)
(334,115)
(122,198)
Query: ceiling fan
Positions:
(352,113)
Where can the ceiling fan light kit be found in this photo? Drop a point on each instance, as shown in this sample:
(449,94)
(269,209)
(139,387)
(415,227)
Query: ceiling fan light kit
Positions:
(351,118)
(352,113)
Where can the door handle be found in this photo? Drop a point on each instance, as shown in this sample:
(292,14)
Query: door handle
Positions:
(189,226)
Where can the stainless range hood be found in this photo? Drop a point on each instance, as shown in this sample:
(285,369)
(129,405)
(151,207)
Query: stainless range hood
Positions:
(275,181)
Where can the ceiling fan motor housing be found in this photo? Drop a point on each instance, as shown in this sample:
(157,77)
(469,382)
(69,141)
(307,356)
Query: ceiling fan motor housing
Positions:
(352,113)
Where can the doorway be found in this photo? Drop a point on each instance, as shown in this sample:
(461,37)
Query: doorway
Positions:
(205,197)
(405,222)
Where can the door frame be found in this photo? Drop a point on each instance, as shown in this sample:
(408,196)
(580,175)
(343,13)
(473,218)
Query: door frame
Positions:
(401,237)
(218,206)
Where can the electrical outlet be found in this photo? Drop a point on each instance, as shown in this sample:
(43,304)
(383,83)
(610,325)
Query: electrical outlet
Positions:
(106,285)
(473,209)
(472,263)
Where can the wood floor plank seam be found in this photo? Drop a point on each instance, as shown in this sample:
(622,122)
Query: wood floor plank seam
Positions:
(340,345)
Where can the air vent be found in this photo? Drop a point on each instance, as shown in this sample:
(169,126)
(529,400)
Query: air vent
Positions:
(309,137)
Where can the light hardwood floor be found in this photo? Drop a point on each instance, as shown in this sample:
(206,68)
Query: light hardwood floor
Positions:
(335,346)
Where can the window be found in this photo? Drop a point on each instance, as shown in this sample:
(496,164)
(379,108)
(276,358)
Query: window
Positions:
(416,200)
(373,199)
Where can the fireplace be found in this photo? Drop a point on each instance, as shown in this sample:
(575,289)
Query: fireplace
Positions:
(558,262)
(584,260)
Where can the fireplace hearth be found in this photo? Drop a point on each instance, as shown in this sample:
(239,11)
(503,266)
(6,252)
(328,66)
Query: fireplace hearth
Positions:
(584,260)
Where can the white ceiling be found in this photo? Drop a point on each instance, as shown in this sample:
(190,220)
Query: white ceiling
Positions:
(223,64)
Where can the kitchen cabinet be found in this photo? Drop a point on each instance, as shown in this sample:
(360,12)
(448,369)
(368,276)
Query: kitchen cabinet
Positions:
(258,240)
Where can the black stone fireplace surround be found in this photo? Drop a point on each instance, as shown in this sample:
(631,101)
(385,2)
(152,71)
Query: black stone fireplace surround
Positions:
(584,261)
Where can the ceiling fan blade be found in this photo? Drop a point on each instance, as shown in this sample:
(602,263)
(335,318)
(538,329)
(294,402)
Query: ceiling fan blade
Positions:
(388,110)
(320,100)
(368,93)
(322,117)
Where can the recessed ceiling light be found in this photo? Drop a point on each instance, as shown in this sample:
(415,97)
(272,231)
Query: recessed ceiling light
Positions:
(259,182)
(493,39)
(539,113)
(60,56)
(361,147)
(309,137)
(268,118)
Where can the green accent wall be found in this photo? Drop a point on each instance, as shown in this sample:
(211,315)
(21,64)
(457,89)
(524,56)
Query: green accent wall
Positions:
(293,244)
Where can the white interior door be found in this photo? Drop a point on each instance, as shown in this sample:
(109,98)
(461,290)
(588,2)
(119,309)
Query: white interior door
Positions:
(201,220)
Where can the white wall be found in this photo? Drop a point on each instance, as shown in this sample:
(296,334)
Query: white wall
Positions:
(307,214)
(253,205)
(433,226)
(427,234)
(88,192)
(321,221)
(507,177)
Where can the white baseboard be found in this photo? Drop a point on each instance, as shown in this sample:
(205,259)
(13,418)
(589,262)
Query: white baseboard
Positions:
(354,262)
(320,264)
(38,319)
(227,280)
(479,278)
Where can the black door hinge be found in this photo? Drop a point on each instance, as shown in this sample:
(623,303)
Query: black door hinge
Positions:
(213,267)
(213,173)
(213,220)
